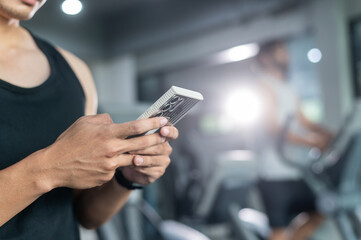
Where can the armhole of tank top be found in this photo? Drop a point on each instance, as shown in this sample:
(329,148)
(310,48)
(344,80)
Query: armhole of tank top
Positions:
(70,70)
(45,47)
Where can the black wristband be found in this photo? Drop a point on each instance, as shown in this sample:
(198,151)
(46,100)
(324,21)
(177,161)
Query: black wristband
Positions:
(119,177)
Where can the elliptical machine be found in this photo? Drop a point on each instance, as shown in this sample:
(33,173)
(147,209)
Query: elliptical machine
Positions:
(334,175)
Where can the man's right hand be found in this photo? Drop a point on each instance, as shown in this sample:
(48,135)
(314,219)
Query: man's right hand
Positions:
(319,141)
(88,152)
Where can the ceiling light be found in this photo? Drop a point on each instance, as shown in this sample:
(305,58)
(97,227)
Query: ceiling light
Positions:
(242,52)
(72,7)
(314,55)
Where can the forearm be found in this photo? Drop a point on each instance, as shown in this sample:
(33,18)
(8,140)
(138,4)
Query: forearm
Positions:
(316,128)
(320,130)
(300,140)
(97,205)
(21,184)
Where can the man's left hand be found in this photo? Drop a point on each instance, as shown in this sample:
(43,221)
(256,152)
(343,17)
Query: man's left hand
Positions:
(151,163)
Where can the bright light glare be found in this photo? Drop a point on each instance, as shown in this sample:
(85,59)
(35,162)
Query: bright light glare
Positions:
(242,52)
(314,55)
(244,107)
(72,7)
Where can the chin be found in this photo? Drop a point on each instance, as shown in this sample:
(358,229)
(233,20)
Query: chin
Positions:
(16,9)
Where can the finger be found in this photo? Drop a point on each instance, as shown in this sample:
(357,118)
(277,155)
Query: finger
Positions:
(169,132)
(123,160)
(142,175)
(138,127)
(157,171)
(160,149)
(151,161)
(142,142)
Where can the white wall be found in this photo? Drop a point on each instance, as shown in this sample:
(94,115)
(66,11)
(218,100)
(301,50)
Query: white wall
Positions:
(116,80)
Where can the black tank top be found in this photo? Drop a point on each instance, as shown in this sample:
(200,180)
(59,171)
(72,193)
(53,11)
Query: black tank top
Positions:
(32,119)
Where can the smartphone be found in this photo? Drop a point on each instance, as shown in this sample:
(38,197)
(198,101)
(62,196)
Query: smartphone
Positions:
(173,105)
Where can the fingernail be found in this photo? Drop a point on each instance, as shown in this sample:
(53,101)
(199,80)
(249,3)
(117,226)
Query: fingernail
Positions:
(163,121)
(163,139)
(138,160)
(165,131)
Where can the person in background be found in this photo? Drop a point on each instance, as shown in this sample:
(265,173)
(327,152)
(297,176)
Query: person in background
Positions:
(283,191)
(58,167)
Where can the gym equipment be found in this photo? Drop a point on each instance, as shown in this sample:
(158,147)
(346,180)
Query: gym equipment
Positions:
(224,194)
(129,224)
(334,175)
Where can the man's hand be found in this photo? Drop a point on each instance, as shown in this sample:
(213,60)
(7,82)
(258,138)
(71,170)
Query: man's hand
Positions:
(88,152)
(150,163)
(319,141)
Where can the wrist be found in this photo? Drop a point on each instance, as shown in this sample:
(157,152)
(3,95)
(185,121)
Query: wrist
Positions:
(124,182)
(46,179)
(32,172)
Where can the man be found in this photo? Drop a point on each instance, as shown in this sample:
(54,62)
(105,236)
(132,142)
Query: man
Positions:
(44,90)
(282,188)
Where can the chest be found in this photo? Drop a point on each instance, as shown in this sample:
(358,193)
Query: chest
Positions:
(24,68)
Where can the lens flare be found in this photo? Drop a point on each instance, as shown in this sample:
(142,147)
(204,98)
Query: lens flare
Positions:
(243,107)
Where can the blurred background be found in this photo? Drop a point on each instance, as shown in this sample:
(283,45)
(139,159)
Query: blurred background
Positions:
(137,49)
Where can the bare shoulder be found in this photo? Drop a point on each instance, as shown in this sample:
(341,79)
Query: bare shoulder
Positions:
(85,77)
(79,67)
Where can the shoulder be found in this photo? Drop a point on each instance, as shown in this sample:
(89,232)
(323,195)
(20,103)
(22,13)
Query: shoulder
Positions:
(85,77)
(79,67)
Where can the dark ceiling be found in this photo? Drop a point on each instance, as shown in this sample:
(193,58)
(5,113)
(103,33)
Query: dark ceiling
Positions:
(139,25)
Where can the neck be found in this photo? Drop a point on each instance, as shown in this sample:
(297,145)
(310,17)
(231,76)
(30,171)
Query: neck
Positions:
(7,24)
(10,31)
(277,73)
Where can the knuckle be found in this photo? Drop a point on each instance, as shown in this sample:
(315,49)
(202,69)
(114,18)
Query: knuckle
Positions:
(147,141)
(110,165)
(161,172)
(136,128)
(167,162)
(168,149)
(106,178)
(111,149)
(110,176)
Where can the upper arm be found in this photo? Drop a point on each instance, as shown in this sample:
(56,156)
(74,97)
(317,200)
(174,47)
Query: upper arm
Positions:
(85,77)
